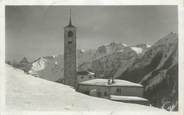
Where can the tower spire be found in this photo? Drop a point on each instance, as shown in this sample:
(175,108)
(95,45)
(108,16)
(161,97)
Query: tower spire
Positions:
(70,21)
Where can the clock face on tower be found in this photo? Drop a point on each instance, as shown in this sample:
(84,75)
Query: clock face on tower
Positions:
(70,34)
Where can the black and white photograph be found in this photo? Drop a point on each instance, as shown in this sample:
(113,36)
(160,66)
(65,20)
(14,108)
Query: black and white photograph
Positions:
(90,58)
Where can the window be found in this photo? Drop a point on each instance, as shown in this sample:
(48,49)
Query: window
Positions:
(70,34)
(86,92)
(69,42)
(105,93)
(118,90)
(82,77)
(99,94)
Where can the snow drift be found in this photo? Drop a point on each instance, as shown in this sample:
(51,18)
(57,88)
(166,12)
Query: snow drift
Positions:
(25,92)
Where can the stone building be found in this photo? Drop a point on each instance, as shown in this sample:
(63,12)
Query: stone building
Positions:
(105,88)
(70,54)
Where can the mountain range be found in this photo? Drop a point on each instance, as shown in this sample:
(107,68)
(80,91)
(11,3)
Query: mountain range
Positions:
(156,67)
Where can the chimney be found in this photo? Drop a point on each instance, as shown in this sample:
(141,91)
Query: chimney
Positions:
(113,80)
(109,81)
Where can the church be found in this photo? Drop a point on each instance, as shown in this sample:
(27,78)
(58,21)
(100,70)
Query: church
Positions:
(113,89)
(70,77)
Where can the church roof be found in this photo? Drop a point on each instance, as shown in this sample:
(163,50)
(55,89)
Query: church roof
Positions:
(70,21)
(104,82)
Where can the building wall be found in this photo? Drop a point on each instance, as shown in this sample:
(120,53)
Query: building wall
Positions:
(86,89)
(128,91)
(105,91)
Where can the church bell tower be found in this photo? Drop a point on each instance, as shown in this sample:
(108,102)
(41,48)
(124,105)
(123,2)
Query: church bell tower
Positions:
(70,77)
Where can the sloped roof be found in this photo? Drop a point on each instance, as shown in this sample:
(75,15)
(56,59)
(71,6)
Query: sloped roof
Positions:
(127,98)
(85,73)
(104,82)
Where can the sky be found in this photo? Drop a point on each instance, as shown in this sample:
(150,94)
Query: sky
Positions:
(35,31)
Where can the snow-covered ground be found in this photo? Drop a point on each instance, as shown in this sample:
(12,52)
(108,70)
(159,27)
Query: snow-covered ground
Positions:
(25,92)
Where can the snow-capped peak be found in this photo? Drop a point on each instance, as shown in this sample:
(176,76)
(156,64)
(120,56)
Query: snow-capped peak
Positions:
(125,45)
(148,46)
(48,67)
(82,50)
(138,50)
(39,64)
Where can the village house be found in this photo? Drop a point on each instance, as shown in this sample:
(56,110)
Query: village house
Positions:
(114,89)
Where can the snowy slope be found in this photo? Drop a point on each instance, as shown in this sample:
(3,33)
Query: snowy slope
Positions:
(154,58)
(164,78)
(25,92)
(157,70)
